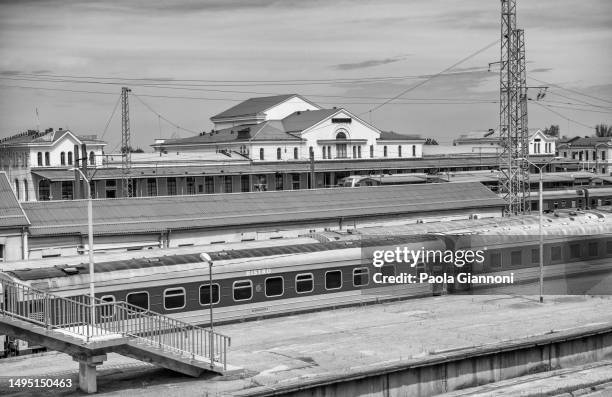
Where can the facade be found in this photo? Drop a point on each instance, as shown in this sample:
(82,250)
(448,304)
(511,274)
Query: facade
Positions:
(591,153)
(540,144)
(13,224)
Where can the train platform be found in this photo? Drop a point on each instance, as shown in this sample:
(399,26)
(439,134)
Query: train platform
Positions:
(290,350)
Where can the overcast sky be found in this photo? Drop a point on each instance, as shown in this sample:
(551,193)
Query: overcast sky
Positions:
(257,42)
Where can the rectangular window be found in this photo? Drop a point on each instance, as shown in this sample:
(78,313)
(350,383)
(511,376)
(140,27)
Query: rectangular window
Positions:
(244,183)
(107,311)
(209,184)
(205,294)
(151,187)
(171,186)
(555,253)
(333,279)
(359,151)
(609,247)
(279,181)
(274,286)
(138,299)
(243,290)
(495,260)
(535,255)
(228,183)
(515,258)
(190,182)
(361,276)
(174,298)
(574,251)
(295,181)
(593,251)
(324,153)
(304,283)
(67,190)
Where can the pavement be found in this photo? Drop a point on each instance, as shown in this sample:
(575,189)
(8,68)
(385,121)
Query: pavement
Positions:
(283,350)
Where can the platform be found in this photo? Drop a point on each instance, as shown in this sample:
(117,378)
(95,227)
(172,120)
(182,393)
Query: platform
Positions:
(285,350)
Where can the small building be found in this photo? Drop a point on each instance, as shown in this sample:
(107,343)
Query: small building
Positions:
(13,224)
(590,153)
(540,144)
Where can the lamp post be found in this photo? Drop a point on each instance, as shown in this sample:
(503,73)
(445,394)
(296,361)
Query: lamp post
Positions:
(90,244)
(541,213)
(207,259)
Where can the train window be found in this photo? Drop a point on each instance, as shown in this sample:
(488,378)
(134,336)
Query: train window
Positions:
(140,299)
(174,298)
(205,294)
(243,290)
(107,311)
(574,251)
(333,279)
(515,258)
(535,255)
(274,286)
(609,246)
(593,251)
(361,276)
(555,253)
(304,283)
(495,259)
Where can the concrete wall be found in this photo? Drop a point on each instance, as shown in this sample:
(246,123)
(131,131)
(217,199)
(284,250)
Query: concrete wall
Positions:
(470,367)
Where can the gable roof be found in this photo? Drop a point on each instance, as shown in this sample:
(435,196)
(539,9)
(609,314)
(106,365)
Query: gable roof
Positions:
(254,106)
(302,120)
(394,136)
(49,136)
(11,213)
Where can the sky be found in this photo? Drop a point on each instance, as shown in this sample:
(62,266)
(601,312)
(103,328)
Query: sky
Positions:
(187,60)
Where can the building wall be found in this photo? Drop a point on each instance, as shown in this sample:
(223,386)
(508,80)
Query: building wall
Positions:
(288,107)
(12,242)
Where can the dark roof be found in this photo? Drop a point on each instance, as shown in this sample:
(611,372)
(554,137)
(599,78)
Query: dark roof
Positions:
(151,214)
(47,136)
(299,121)
(587,141)
(394,136)
(11,213)
(253,106)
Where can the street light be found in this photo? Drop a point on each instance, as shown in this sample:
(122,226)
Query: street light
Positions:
(90,243)
(541,211)
(207,259)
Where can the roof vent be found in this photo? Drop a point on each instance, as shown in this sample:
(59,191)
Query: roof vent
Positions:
(70,270)
(298,112)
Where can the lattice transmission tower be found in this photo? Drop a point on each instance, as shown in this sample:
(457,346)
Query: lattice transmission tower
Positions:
(126,148)
(513,126)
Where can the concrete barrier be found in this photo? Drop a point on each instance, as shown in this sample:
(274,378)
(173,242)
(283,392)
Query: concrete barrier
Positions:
(445,371)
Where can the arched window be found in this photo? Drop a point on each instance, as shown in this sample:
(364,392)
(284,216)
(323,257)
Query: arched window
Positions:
(311,152)
(17,192)
(63,158)
(40,163)
(341,135)
(92,158)
(26,194)
(44,190)
(69,158)
(278,153)
(371,151)
(47,159)
(399,151)
(359,151)
(324,152)
(354,152)
(329,152)
(295,153)
(261,154)
(413,150)
(385,151)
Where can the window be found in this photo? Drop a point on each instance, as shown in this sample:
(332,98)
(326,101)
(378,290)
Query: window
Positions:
(324,153)
(310,152)
(111,188)
(274,286)
(151,187)
(371,151)
(228,184)
(341,135)
(555,253)
(244,183)
(593,251)
(341,151)
(279,154)
(354,152)
(358,151)
(139,299)
(205,294)
(92,158)
(535,255)
(243,290)
(295,181)
(69,158)
(26,192)
(329,152)
(261,153)
(279,181)
(387,270)
(17,193)
(47,159)
(333,279)
(174,298)
(413,150)
(515,258)
(603,155)
(384,151)
(171,182)
(67,190)
(209,184)
(107,311)
(39,158)
(190,181)
(495,259)
(361,276)
(609,247)
(63,158)
(295,153)
(574,251)
(399,151)
(305,283)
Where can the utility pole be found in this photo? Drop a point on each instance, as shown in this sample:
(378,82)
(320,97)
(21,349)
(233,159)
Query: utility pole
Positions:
(126,154)
(513,125)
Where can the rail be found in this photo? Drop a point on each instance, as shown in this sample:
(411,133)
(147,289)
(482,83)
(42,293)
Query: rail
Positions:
(73,315)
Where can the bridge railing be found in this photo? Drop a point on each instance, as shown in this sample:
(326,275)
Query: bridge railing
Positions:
(73,315)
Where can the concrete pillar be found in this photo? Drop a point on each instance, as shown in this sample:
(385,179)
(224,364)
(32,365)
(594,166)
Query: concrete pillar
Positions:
(87,372)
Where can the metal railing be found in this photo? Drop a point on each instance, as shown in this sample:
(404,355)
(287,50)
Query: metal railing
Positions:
(112,319)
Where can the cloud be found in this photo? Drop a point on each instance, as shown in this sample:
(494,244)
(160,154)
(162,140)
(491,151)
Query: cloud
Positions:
(10,72)
(368,64)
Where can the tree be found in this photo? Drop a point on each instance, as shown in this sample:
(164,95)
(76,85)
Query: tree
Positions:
(603,130)
(552,131)
(131,150)
(431,141)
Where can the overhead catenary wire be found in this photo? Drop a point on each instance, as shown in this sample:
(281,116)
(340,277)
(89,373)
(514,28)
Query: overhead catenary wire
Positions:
(571,90)
(111,116)
(164,118)
(562,116)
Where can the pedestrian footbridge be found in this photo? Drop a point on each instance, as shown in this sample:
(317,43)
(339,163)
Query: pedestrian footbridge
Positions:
(89,330)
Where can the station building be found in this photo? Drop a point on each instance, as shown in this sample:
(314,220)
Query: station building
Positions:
(590,153)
